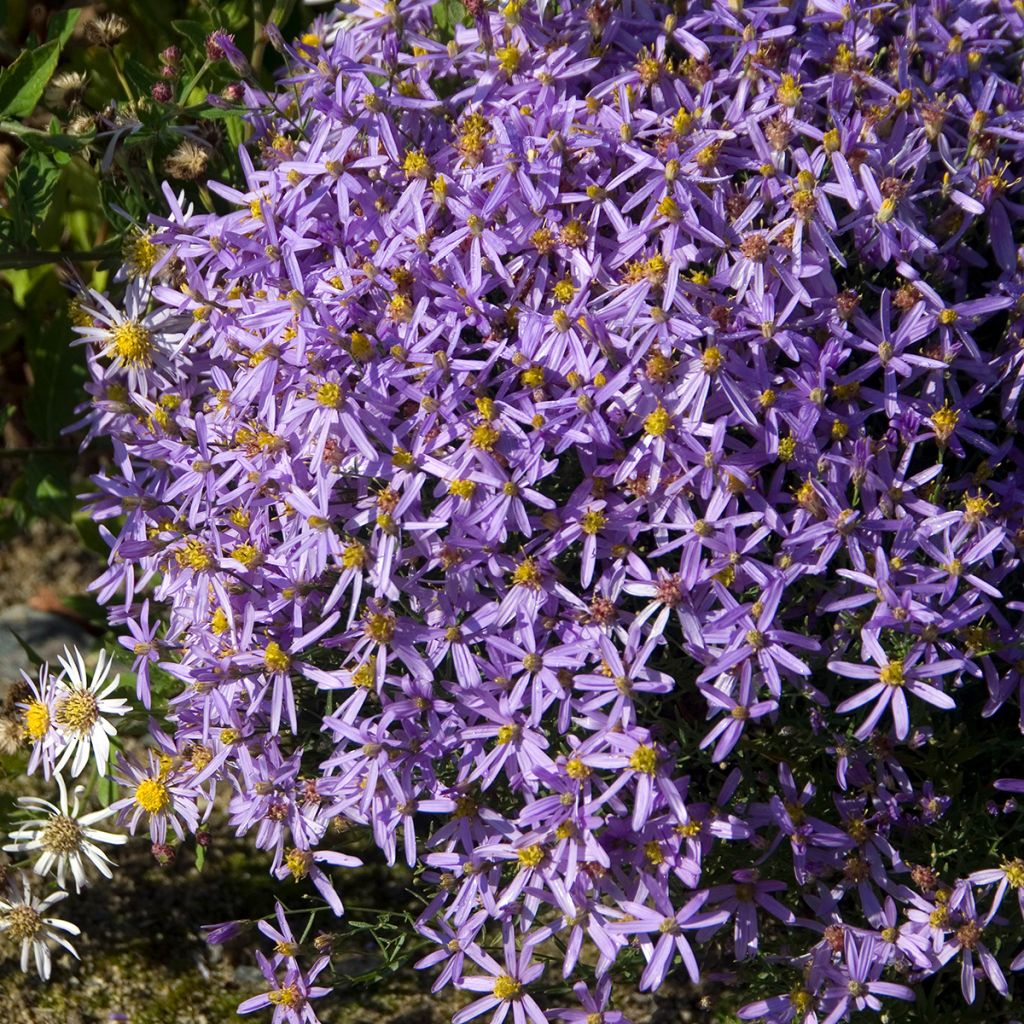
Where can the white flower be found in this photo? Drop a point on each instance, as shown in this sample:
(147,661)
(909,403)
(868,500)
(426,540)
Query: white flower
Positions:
(23,917)
(81,710)
(135,339)
(65,838)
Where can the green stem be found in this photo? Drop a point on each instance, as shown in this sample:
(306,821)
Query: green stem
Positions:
(278,14)
(23,453)
(21,260)
(120,76)
(186,92)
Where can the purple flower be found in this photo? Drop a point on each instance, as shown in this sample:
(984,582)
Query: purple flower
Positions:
(895,677)
(855,984)
(670,926)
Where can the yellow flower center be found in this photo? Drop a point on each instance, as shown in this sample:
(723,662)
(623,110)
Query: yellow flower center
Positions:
(485,437)
(644,759)
(531,856)
(380,626)
(329,394)
(78,712)
(788,93)
(508,59)
(506,988)
(712,360)
(61,834)
(801,1000)
(658,423)
(353,556)
(194,555)
(37,719)
(593,521)
(247,554)
(152,795)
(298,862)
(527,574)
(507,733)
(23,923)
(462,488)
(1014,871)
(892,674)
(944,422)
(133,343)
(288,996)
(416,164)
(275,659)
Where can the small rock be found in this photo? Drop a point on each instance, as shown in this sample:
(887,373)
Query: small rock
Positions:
(247,975)
(46,633)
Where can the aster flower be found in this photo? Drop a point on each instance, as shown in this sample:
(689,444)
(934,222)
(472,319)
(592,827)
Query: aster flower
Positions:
(966,942)
(606,403)
(82,709)
(64,838)
(855,984)
(1009,875)
(505,985)
(24,918)
(161,791)
(136,339)
(38,713)
(291,993)
(894,677)
(670,925)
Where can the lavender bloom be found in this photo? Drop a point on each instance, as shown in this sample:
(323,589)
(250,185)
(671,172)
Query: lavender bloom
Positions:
(548,403)
(670,925)
(855,984)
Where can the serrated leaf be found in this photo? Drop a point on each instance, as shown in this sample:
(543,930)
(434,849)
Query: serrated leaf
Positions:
(31,187)
(62,24)
(22,84)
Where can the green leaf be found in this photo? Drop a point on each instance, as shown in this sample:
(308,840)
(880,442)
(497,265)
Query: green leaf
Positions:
(89,531)
(106,790)
(62,24)
(48,486)
(87,608)
(193,31)
(447,14)
(22,84)
(33,656)
(200,857)
(139,76)
(58,373)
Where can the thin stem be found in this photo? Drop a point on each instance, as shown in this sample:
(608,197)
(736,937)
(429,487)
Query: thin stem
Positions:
(120,75)
(186,92)
(20,260)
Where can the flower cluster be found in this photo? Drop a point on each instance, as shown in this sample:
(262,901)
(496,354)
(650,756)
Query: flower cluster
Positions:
(569,436)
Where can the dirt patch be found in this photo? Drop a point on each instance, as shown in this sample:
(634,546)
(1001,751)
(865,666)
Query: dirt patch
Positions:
(45,564)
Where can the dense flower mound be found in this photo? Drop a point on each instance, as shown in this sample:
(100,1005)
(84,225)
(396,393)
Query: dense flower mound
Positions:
(583,455)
